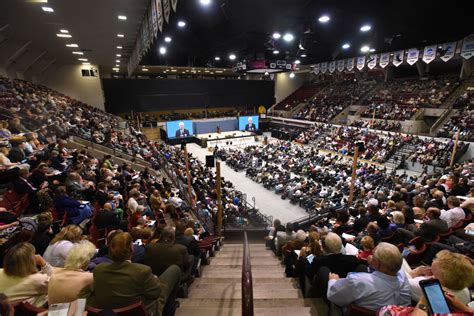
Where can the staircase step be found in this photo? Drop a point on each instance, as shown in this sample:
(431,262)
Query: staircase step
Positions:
(238,280)
(233,261)
(237,286)
(279,311)
(258,303)
(240,254)
(237,273)
(232,292)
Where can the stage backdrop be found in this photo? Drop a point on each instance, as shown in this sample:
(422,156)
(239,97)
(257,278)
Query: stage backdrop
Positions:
(147,95)
(206,127)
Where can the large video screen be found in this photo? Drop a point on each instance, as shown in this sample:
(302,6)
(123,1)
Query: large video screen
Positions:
(179,129)
(248,123)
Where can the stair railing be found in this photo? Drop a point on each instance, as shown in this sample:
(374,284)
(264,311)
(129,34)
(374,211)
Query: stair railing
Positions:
(247,285)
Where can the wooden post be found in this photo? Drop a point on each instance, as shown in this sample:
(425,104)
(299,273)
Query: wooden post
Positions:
(354,168)
(454,149)
(188,176)
(373,120)
(219,199)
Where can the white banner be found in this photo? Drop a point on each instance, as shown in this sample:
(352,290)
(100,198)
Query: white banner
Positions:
(166,10)
(340,65)
(350,64)
(316,69)
(174,4)
(332,66)
(360,62)
(153,18)
(384,60)
(159,14)
(398,58)
(324,67)
(412,56)
(467,50)
(447,51)
(372,61)
(429,53)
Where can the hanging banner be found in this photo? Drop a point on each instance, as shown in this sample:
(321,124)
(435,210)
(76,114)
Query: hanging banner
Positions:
(332,66)
(350,64)
(324,67)
(340,65)
(166,10)
(360,62)
(174,4)
(398,58)
(447,50)
(159,15)
(316,69)
(384,60)
(151,30)
(154,21)
(429,53)
(372,61)
(467,50)
(412,56)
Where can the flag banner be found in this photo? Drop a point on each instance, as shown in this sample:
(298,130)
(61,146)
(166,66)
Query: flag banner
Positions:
(166,10)
(372,61)
(384,60)
(398,58)
(151,30)
(316,69)
(360,62)
(332,66)
(429,53)
(446,51)
(340,65)
(467,50)
(159,14)
(324,67)
(412,56)
(174,4)
(154,21)
(350,64)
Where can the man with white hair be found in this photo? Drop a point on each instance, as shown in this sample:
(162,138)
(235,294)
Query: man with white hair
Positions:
(182,132)
(385,286)
(250,127)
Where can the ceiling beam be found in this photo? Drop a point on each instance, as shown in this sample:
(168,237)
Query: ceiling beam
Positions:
(49,64)
(17,53)
(34,60)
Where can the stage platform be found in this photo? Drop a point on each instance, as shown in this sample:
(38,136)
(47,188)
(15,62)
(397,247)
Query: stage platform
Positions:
(224,135)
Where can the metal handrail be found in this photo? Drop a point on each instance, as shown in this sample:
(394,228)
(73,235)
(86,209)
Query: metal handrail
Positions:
(247,286)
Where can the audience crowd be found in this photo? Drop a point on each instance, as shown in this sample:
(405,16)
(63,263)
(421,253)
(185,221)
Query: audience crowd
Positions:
(462,121)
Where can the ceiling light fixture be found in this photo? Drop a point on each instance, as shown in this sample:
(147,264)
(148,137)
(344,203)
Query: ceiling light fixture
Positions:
(297,62)
(324,19)
(116,69)
(122,17)
(47,9)
(365,49)
(117,61)
(232,57)
(276,35)
(120,35)
(77,53)
(118,55)
(288,37)
(63,35)
(162,50)
(167,39)
(205,2)
(72,45)
(276,52)
(64,31)
(292,74)
(144,69)
(119,47)
(117,65)
(372,50)
(181,23)
(304,55)
(86,63)
(365,28)
(217,58)
(82,59)
(346,46)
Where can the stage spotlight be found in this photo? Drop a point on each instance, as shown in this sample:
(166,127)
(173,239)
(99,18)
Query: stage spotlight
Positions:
(365,49)
(288,37)
(346,46)
(181,24)
(276,35)
(324,19)
(205,2)
(276,52)
(365,28)
(232,57)
(162,50)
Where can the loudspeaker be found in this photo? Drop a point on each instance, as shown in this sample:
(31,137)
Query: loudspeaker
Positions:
(210,161)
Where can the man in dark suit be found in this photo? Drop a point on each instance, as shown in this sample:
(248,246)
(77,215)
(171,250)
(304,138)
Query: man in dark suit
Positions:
(17,154)
(165,253)
(189,242)
(250,126)
(427,230)
(182,132)
(131,282)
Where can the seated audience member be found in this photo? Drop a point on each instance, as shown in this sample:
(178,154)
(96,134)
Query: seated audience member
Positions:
(454,271)
(44,232)
(61,244)
(387,285)
(367,244)
(284,237)
(132,282)
(187,241)
(398,220)
(361,221)
(106,217)
(74,274)
(156,202)
(454,214)
(427,230)
(20,279)
(75,210)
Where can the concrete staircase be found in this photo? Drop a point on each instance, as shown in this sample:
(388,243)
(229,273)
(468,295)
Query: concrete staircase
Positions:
(218,291)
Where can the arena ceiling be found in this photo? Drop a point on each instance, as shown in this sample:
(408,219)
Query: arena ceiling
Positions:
(224,27)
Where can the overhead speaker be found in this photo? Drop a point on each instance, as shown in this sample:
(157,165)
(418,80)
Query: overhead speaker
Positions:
(210,161)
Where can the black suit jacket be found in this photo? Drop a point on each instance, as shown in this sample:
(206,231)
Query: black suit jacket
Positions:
(185,133)
(16,154)
(106,219)
(428,230)
(337,263)
(161,256)
(190,243)
(21,187)
(250,127)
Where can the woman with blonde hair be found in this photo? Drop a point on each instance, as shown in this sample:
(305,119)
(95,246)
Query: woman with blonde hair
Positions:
(20,279)
(61,244)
